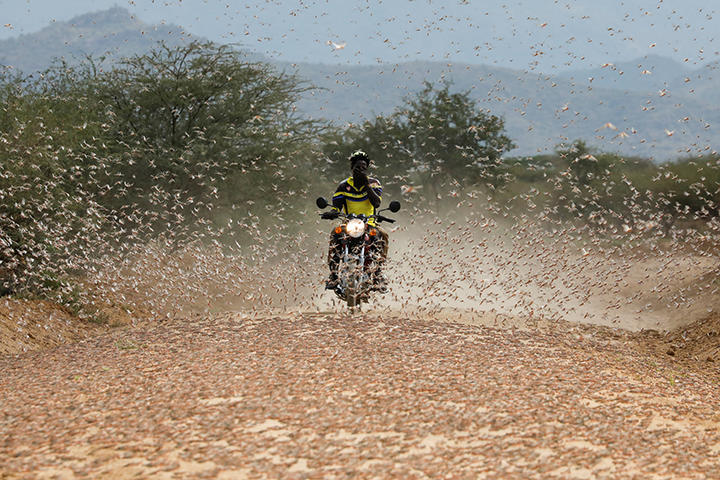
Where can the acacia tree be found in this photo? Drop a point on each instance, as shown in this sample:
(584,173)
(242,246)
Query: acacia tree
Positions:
(452,140)
(198,124)
(48,219)
(436,139)
(96,158)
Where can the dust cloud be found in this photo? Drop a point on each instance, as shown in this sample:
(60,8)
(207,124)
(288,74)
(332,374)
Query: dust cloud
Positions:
(496,271)
(468,265)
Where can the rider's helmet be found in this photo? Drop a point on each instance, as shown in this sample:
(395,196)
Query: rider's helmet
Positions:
(359,155)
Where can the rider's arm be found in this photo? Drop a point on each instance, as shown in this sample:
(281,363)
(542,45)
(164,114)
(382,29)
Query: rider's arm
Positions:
(338,200)
(374,192)
(373,197)
(372,186)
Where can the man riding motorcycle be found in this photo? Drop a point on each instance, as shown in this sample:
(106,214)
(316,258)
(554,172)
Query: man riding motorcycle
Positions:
(361,195)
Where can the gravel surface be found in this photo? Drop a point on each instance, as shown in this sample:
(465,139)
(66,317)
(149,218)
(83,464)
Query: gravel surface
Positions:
(366,396)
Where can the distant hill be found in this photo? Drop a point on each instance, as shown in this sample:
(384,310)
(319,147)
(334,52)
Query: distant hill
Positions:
(704,83)
(114,33)
(651,107)
(540,111)
(651,72)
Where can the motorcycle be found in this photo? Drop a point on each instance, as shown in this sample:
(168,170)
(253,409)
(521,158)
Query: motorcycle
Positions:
(357,255)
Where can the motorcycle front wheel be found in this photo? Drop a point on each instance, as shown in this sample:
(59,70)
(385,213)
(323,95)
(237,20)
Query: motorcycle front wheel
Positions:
(351,293)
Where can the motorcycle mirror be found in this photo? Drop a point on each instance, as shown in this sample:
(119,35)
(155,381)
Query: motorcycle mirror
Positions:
(321,202)
(394,206)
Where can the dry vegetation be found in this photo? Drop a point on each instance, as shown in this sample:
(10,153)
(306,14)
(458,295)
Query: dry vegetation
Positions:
(548,316)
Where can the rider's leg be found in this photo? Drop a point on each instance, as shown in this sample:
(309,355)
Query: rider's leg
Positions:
(381,245)
(333,261)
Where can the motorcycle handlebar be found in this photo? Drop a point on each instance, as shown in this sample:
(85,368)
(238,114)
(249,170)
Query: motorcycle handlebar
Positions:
(377,217)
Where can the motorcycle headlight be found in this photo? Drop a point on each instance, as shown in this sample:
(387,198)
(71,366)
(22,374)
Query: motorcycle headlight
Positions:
(355,227)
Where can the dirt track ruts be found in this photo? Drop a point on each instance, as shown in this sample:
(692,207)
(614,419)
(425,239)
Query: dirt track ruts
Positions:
(371,396)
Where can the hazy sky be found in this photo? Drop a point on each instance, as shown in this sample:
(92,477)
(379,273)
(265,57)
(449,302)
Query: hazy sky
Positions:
(544,34)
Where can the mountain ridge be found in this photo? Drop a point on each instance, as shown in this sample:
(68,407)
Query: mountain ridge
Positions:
(653,109)
(113,32)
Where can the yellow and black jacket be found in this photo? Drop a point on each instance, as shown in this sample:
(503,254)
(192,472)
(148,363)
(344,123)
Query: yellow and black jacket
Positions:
(350,199)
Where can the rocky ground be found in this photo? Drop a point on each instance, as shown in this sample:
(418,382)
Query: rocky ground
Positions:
(36,325)
(364,396)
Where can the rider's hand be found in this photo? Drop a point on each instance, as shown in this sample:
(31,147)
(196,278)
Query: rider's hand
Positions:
(360,176)
(330,215)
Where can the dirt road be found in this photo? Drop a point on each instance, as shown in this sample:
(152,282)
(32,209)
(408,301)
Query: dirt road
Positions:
(371,396)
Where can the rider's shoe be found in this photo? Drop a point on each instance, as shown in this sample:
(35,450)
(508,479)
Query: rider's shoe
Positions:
(380,284)
(332,282)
